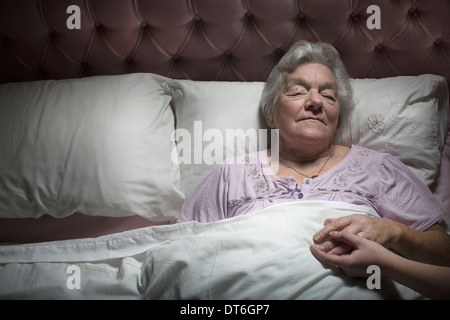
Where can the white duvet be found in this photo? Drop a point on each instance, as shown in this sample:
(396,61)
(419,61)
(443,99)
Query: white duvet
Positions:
(262,255)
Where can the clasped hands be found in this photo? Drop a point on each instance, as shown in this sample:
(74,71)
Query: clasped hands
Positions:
(342,242)
(376,229)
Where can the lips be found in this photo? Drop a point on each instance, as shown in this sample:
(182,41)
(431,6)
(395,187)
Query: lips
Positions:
(312,118)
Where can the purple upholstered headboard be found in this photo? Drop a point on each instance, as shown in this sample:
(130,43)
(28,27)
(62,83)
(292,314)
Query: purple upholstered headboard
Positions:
(217,39)
(221,40)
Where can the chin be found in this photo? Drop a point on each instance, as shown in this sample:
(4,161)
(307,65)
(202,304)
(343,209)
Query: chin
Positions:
(313,140)
(314,135)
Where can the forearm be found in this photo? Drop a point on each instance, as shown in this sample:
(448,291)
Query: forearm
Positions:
(430,246)
(430,280)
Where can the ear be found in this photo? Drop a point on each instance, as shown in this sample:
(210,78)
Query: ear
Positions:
(270,121)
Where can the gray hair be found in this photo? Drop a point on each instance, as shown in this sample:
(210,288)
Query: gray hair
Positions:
(305,52)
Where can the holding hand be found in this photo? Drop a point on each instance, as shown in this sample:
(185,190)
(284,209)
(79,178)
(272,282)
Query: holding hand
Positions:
(355,263)
(430,280)
(380,230)
(429,246)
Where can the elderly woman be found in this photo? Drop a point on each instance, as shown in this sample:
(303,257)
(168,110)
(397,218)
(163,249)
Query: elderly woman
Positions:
(305,97)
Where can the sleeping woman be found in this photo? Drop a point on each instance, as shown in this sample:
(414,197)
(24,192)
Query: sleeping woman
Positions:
(304,98)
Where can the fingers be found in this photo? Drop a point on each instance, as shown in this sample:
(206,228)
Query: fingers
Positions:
(329,260)
(334,246)
(331,225)
(336,258)
(341,242)
(355,224)
(348,238)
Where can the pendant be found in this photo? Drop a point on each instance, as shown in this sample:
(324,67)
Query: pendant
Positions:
(314,176)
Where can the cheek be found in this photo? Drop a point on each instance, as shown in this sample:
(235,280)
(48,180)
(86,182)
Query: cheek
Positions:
(281,116)
(333,113)
(288,108)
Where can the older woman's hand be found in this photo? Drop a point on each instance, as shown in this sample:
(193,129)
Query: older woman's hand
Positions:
(364,254)
(381,230)
(431,280)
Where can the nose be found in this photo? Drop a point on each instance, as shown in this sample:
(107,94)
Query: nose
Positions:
(314,100)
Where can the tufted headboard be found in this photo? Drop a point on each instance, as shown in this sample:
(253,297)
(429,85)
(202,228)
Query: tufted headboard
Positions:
(217,39)
(224,40)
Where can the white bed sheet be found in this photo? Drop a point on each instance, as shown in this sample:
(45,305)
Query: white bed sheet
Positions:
(262,255)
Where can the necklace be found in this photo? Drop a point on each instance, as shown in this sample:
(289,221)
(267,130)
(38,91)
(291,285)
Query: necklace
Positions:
(313,176)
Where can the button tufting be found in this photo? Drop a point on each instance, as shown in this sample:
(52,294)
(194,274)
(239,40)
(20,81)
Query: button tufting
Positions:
(279,51)
(263,41)
(354,16)
(301,15)
(412,11)
(52,35)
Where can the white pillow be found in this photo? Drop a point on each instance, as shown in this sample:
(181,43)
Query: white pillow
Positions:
(413,110)
(205,111)
(405,116)
(98,146)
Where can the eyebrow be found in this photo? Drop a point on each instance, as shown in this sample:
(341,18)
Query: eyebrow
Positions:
(306,84)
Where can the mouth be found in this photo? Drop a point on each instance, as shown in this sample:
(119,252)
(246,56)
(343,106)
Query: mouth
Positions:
(312,119)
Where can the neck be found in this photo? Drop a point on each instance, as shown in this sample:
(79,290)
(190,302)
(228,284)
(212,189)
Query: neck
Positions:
(304,154)
(308,165)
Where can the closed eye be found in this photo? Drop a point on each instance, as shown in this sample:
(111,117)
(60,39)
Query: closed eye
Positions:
(329,95)
(332,98)
(295,91)
(293,94)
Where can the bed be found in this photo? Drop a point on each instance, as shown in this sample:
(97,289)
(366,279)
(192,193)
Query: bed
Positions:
(99,99)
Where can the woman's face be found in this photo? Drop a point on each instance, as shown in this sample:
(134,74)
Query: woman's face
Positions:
(307,109)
